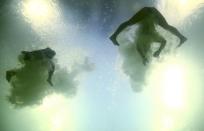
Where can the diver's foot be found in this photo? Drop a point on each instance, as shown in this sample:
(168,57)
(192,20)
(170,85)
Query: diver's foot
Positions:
(145,61)
(156,54)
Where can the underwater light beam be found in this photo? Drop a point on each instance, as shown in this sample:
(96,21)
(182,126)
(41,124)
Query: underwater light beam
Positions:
(40,13)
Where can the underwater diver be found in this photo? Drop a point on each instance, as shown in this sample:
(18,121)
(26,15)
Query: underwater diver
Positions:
(147,18)
(44,54)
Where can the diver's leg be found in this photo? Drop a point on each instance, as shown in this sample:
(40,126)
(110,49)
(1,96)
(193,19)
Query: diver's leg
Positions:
(141,51)
(162,41)
(143,46)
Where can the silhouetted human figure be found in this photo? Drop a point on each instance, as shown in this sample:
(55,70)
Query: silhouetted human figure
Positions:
(148,17)
(43,54)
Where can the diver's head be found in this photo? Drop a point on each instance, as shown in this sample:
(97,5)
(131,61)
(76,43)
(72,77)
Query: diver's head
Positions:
(50,53)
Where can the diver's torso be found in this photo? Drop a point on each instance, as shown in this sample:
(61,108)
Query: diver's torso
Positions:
(147,26)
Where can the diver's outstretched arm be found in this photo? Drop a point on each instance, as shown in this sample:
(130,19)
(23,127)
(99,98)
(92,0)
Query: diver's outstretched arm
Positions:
(119,29)
(136,18)
(162,22)
(174,31)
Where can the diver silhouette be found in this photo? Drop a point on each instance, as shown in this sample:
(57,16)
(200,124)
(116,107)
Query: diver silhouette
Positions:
(44,54)
(147,18)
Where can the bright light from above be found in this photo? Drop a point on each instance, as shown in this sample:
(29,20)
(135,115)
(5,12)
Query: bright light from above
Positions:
(58,113)
(39,12)
(52,102)
(37,8)
(173,86)
(169,81)
(182,9)
(183,2)
(168,123)
(58,122)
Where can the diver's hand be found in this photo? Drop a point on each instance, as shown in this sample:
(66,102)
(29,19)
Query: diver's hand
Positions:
(182,40)
(156,54)
(50,82)
(145,61)
(113,39)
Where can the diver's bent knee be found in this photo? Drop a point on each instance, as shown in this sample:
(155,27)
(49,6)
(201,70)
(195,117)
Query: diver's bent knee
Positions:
(163,41)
